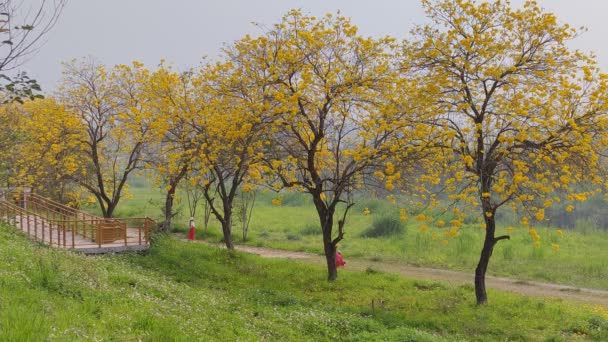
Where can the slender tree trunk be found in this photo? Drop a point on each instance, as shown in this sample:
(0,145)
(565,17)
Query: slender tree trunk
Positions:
(169,199)
(166,225)
(330,257)
(110,210)
(484,259)
(327,221)
(227,225)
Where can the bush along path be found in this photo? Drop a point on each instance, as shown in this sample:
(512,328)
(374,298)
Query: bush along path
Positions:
(524,287)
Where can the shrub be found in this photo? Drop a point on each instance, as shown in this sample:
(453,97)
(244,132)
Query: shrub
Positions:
(374,205)
(292,237)
(311,229)
(294,199)
(384,226)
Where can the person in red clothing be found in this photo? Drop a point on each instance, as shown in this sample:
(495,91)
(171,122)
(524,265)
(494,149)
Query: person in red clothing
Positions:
(339,259)
(192,231)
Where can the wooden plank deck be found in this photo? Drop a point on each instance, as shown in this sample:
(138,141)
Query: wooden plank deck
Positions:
(59,226)
(54,236)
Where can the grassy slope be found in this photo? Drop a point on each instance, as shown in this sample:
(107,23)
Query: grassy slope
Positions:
(182,291)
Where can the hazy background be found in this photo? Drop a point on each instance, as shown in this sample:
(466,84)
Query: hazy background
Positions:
(183,31)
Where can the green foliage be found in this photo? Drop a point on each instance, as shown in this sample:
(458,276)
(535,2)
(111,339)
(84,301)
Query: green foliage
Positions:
(18,88)
(311,229)
(294,199)
(293,236)
(384,226)
(374,205)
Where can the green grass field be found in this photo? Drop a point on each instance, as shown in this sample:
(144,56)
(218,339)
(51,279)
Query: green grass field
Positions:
(182,291)
(581,260)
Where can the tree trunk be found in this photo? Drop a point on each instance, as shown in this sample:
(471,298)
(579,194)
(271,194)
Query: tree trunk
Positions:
(227,225)
(110,210)
(484,259)
(327,222)
(330,257)
(166,225)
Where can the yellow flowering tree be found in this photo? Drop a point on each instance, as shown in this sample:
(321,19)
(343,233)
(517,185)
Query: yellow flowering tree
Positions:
(229,132)
(51,139)
(341,117)
(117,128)
(172,100)
(518,108)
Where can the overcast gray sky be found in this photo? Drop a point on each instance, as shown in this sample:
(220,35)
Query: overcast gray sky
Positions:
(183,31)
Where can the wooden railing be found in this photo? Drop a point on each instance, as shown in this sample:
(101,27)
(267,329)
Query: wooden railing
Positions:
(59,225)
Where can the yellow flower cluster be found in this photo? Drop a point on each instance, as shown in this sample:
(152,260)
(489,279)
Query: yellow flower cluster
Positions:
(402,215)
(534,235)
(277,202)
(453,232)
(602,311)
(366,211)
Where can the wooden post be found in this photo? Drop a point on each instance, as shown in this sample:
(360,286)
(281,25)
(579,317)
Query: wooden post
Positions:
(35,227)
(50,232)
(27,221)
(147,230)
(85,231)
(57,226)
(73,242)
(42,221)
(99,226)
(64,228)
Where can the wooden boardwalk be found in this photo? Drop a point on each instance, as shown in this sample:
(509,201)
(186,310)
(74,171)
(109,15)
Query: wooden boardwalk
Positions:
(59,226)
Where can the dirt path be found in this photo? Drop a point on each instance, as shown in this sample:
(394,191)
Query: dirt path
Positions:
(529,288)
